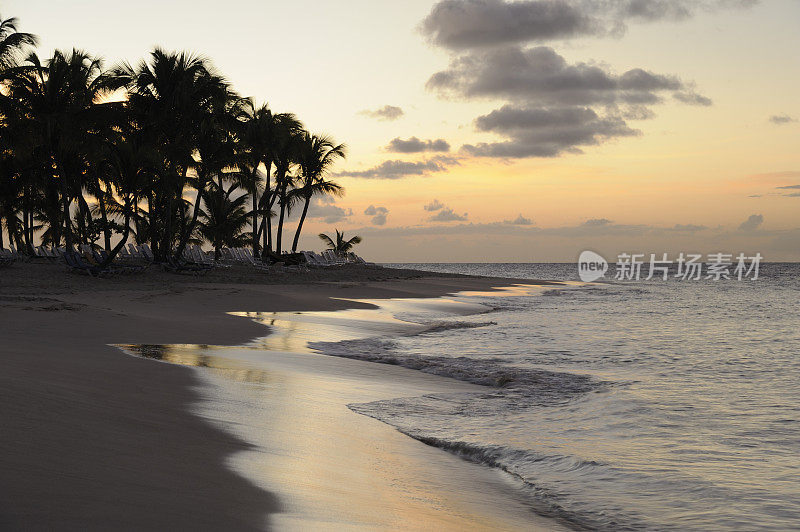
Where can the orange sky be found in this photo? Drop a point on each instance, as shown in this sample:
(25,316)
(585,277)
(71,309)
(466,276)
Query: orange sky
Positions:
(711,167)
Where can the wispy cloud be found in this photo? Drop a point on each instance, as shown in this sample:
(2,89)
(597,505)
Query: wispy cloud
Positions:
(325,208)
(782,119)
(397,169)
(416,145)
(385,113)
(378,214)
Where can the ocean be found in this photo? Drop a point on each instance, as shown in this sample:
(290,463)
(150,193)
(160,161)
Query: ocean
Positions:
(616,405)
(637,405)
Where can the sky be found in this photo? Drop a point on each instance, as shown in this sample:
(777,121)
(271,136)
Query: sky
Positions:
(492,131)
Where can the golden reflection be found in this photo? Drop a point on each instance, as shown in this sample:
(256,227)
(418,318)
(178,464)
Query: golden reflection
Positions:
(193,355)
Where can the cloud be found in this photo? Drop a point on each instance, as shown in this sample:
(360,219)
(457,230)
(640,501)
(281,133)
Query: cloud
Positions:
(782,119)
(541,75)
(519,220)
(463,24)
(597,222)
(416,145)
(396,169)
(378,214)
(790,186)
(446,214)
(587,102)
(692,98)
(435,205)
(752,223)
(556,106)
(541,132)
(472,23)
(385,113)
(324,208)
(688,228)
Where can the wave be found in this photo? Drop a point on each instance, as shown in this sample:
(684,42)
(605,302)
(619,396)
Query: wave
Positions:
(451,325)
(492,372)
(543,501)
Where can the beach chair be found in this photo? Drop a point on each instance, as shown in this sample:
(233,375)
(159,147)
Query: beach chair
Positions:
(148,253)
(76,263)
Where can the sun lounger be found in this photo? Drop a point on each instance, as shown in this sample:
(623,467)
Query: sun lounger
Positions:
(75,262)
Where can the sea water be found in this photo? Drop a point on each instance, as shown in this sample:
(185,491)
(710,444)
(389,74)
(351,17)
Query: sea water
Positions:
(658,405)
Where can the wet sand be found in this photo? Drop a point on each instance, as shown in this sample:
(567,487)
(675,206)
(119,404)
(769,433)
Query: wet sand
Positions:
(95,439)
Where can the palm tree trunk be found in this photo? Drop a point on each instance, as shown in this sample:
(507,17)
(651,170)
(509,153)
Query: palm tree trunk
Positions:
(65,204)
(300,224)
(190,228)
(279,232)
(106,228)
(253,176)
(122,241)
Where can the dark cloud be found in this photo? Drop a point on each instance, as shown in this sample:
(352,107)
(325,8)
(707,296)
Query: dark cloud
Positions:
(543,132)
(378,214)
(463,24)
(325,209)
(555,105)
(387,112)
(519,220)
(790,186)
(446,214)
(398,169)
(435,205)
(492,61)
(752,223)
(416,145)
(782,119)
(542,76)
(471,23)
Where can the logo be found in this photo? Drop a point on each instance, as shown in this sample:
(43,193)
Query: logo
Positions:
(591,266)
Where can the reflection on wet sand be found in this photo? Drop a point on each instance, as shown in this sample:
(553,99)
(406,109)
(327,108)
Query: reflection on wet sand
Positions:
(330,467)
(195,355)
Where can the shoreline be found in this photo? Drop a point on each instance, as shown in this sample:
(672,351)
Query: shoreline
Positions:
(95,439)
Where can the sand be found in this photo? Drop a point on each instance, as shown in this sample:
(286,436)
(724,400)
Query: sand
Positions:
(92,438)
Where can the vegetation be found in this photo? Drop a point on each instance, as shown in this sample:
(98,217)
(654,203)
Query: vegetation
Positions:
(164,152)
(340,246)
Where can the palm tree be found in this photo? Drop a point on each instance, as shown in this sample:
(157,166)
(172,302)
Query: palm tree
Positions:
(224,218)
(340,246)
(265,140)
(57,100)
(13,42)
(171,95)
(129,162)
(12,184)
(316,154)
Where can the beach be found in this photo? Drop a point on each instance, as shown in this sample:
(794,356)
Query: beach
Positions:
(95,439)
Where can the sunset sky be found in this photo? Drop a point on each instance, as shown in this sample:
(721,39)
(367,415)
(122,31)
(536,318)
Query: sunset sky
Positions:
(482,130)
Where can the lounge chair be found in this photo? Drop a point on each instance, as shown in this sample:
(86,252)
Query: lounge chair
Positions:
(75,262)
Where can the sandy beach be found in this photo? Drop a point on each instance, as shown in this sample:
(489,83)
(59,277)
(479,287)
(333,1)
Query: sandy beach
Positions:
(95,439)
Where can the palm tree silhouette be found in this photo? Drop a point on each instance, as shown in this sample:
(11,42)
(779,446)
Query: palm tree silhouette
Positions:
(340,246)
(316,154)
(173,156)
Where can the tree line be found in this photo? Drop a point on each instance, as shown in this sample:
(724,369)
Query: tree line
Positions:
(163,152)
